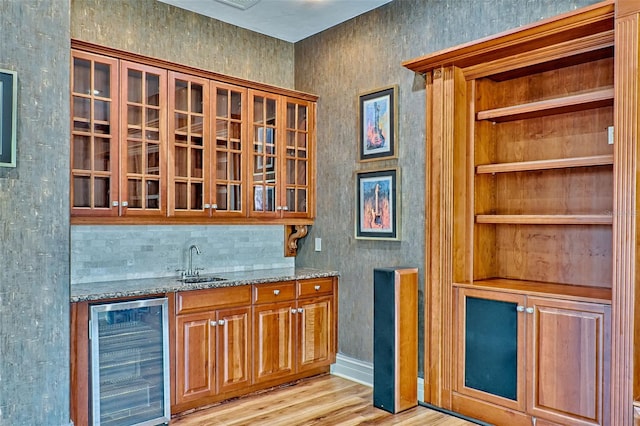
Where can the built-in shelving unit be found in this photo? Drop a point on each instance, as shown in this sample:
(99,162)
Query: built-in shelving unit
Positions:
(525,221)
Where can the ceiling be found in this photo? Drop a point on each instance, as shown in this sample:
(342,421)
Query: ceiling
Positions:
(289,20)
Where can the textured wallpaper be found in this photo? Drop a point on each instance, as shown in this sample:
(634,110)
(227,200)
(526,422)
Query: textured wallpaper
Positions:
(159,30)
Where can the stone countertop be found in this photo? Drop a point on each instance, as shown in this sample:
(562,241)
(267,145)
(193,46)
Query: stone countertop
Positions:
(147,286)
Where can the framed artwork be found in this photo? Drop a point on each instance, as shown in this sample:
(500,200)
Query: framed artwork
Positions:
(377,129)
(8,120)
(377,204)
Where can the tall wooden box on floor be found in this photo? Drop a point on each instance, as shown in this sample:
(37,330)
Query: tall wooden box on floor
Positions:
(395,341)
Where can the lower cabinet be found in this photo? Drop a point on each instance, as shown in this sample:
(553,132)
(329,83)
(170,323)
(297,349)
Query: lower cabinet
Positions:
(212,346)
(236,340)
(525,359)
(294,328)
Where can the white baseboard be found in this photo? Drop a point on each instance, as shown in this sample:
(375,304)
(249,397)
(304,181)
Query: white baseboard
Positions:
(362,372)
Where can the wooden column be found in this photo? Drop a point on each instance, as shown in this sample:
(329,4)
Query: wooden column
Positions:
(625,385)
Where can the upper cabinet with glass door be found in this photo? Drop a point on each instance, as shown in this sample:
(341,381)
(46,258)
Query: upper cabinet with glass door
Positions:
(297,158)
(189,146)
(143,140)
(229,115)
(94,135)
(163,142)
(281,156)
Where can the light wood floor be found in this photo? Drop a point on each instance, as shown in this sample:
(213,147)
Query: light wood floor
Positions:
(324,400)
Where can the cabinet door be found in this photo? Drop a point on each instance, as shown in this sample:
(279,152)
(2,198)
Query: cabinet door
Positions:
(234,334)
(264,197)
(144,149)
(567,350)
(229,163)
(94,135)
(298,159)
(189,146)
(274,336)
(491,347)
(315,332)
(195,356)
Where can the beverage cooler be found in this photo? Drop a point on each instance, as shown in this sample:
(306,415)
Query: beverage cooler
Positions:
(130,363)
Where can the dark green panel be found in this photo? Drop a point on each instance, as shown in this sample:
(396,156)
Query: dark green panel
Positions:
(491,346)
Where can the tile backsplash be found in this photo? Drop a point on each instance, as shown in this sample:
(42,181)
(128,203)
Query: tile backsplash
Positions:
(106,253)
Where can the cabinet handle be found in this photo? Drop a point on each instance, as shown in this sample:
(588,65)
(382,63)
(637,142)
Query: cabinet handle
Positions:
(520,308)
(214,206)
(212,323)
(115,204)
(529,310)
(317,287)
(276,292)
(220,322)
(207,206)
(293,311)
(285,208)
(300,310)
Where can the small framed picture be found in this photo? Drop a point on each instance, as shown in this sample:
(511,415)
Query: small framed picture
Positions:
(8,121)
(377,118)
(377,204)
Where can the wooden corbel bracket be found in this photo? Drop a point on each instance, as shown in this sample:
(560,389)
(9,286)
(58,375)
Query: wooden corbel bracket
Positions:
(292,234)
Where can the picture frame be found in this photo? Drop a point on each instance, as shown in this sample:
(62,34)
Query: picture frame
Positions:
(8,119)
(378,204)
(377,124)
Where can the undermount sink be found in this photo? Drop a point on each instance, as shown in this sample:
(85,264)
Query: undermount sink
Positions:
(201,279)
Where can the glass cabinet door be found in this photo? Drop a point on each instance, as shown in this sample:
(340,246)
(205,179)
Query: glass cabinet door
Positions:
(94,135)
(264,200)
(297,159)
(144,139)
(189,145)
(229,115)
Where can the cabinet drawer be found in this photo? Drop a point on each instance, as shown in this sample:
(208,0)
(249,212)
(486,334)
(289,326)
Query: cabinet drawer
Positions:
(276,292)
(314,287)
(200,300)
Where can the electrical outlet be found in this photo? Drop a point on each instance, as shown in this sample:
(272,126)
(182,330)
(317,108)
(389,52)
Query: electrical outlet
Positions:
(318,244)
(610,134)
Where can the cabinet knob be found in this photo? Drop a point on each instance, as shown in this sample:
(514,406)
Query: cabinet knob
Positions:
(285,208)
(529,310)
(316,287)
(212,323)
(276,292)
(220,322)
(214,206)
(125,203)
(115,204)
(300,310)
(520,308)
(293,311)
(207,206)
(278,207)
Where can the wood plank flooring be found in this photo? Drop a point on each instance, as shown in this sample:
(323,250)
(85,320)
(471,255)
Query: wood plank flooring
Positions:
(324,400)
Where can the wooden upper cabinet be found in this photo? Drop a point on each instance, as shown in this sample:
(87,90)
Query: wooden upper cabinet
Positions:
(94,135)
(189,146)
(281,172)
(159,141)
(143,140)
(229,147)
(264,131)
(298,159)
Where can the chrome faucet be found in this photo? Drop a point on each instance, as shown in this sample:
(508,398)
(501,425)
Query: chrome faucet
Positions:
(192,272)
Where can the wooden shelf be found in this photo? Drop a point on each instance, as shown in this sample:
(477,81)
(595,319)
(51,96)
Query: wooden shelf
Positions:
(561,163)
(571,103)
(543,219)
(560,290)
